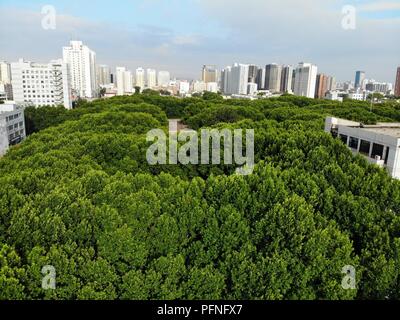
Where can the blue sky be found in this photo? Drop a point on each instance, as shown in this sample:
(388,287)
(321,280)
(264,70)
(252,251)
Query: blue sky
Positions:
(181,35)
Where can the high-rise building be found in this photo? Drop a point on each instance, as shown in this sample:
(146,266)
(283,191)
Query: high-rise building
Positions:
(209,74)
(5,81)
(286,79)
(238,79)
(397,85)
(321,86)
(225,80)
(273,74)
(253,70)
(5,72)
(163,79)
(305,80)
(42,84)
(139,76)
(82,63)
(151,78)
(103,75)
(124,81)
(359,81)
(260,79)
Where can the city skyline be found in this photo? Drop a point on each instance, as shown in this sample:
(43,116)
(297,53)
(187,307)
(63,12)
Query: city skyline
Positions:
(183,36)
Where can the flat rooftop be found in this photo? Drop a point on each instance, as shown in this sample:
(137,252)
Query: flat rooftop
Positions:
(391,129)
(387,129)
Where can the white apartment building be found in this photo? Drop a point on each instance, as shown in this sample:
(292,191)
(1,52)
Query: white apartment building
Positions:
(163,79)
(305,80)
(12,125)
(252,88)
(212,87)
(103,75)
(235,79)
(139,76)
(184,87)
(151,78)
(199,86)
(82,64)
(379,144)
(5,81)
(124,81)
(41,84)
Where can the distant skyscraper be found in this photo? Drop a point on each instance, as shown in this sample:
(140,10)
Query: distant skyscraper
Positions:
(103,75)
(253,70)
(273,74)
(286,79)
(41,84)
(225,80)
(360,78)
(5,81)
(209,74)
(260,80)
(305,80)
(151,78)
(163,78)
(238,79)
(124,81)
(397,86)
(82,63)
(321,86)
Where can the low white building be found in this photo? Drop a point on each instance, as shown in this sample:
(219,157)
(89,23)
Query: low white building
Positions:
(12,125)
(379,143)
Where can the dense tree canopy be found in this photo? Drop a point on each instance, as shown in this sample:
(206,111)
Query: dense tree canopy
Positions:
(79,195)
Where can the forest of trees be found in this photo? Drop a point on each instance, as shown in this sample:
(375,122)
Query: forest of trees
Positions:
(79,195)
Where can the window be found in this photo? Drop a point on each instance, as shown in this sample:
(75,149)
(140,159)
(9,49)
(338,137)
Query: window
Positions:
(343,137)
(387,155)
(364,147)
(353,143)
(377,150)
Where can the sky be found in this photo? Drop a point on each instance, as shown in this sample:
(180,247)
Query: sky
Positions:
(182,35)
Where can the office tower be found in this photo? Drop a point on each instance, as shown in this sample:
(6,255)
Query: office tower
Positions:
(151,78)
(139,76)
(184,87)
(305,80)
(360,78)
(253,70)
(163,78)
(124,81)
(260,80)
(82,63)
(103,75)
(41,84)
(286,79)
(209,74)
(273,74)
(397,85)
